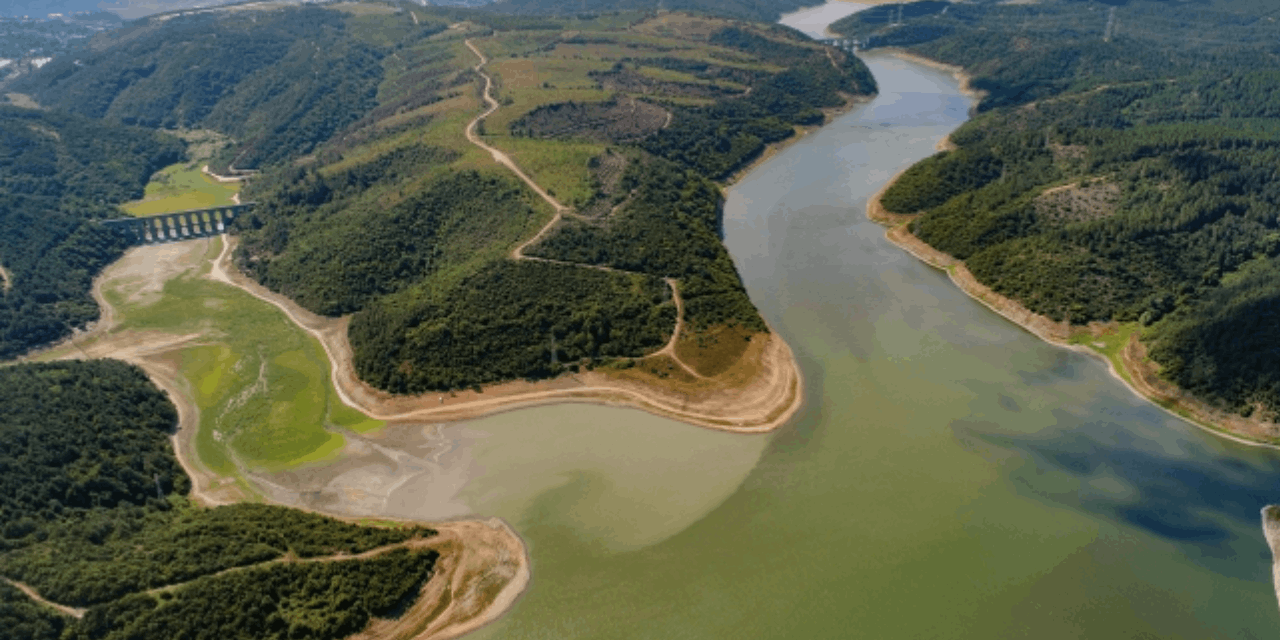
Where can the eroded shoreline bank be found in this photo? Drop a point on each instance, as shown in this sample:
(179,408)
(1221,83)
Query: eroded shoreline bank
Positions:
(484,564)
(1130,368)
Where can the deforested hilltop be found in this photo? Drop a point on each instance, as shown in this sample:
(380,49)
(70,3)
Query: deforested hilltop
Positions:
(1121,169)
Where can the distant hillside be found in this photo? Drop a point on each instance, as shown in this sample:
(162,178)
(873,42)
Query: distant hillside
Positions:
(1123,168)
(280,82)
(58,172)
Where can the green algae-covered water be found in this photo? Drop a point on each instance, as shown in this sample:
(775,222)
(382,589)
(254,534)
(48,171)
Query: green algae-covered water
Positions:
(951,476)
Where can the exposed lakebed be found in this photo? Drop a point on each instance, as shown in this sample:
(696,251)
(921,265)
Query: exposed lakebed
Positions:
(951,476)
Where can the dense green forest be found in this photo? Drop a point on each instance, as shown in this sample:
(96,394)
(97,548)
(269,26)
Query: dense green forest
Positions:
(341,255)
(509,320)
(1115,173)
(279,82)
(722,138)
(670,228)
(57,173)
(92,501)
(757,10)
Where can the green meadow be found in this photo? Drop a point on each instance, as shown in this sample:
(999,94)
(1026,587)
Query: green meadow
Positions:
(261,383)
(180,187)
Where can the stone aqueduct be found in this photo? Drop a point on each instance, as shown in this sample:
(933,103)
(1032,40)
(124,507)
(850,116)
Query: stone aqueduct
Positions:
(182,225)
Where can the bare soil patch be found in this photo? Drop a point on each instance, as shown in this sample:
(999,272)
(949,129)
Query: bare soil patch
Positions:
(60,608)
(621,119)
(1077,203)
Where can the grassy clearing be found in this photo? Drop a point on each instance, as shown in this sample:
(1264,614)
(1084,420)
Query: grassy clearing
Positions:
(716,350)
(180,187)
(261,383)
(559,166)
(1109,342)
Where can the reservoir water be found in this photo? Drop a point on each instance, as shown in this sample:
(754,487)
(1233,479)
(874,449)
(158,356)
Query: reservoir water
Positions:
(950,476)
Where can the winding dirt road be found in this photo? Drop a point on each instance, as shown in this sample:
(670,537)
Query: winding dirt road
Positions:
(669,349)
(60,608)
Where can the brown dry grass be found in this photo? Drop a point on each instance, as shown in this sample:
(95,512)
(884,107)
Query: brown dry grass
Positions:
(714,351)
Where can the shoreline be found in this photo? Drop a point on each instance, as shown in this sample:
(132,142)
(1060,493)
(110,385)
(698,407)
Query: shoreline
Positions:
(473,550)
(758,405)
(1271,530)
(851,102)
(1143,381)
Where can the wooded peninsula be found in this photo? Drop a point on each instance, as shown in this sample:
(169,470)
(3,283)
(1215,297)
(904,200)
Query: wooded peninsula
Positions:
(1119,179)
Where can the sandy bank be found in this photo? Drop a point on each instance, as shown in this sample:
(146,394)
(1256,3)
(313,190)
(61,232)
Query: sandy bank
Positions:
(483,568)
(1135,370)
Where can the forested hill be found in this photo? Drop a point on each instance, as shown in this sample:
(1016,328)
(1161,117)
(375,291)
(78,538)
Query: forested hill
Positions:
(58,172)
(760,10)
(93,514)
(372,201)
(1123,167)
(626,118)
(280,82)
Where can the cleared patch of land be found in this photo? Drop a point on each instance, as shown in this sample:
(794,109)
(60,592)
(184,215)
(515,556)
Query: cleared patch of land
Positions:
(181,187)
(614,120)
(259,385)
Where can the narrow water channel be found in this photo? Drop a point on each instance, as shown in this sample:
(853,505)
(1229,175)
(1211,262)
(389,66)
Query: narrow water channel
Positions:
(951,476)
